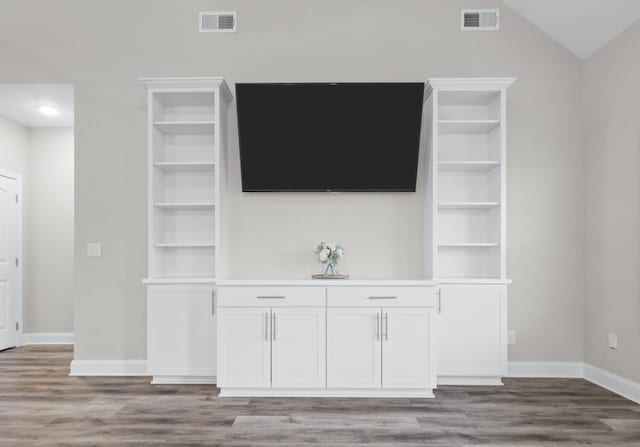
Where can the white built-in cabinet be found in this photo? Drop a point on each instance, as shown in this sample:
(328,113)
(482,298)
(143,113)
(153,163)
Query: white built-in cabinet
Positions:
(298,347)
(349,338)
(181,328)
(309,339)
(472,327)
(280,347)
(187,242)
(244,347)
(379,348)
(355,348)
(465,223)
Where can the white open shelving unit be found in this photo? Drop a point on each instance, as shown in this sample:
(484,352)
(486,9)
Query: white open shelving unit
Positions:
(185,180)
(469,142)
(187,174)
(465,224)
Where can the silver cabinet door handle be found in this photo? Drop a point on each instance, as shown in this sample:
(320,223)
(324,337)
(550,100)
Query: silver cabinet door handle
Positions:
(273,326)
(270,297)
(377,326)
(213,302)
(386,326)
(440,301)
(266,326)
(383,297)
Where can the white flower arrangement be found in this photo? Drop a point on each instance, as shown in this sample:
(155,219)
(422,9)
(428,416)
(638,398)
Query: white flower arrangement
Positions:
(329,254)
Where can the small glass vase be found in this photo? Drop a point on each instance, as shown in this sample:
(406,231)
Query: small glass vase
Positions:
(330,269)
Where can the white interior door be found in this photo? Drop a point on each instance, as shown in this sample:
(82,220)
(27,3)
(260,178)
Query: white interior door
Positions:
(244,347)
(354,354)
(406,347)
(8,261)
(298,347)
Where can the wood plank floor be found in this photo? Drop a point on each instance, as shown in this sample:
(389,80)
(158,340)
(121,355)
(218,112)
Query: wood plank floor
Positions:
(40,405)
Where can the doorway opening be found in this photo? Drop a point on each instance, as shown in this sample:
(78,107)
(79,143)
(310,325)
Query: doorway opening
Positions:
(36,214)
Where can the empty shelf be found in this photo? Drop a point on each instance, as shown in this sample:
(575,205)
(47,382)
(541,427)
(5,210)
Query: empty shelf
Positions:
(468,244)
(186,245)
(185,127)
(467,126)
(468,165)
(472,205)
(185,166)
(186,206)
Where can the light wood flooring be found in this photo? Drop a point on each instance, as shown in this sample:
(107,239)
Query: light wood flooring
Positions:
(40,405)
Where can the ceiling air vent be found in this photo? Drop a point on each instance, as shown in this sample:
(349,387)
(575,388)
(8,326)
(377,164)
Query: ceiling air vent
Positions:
(480,19)
(217,22)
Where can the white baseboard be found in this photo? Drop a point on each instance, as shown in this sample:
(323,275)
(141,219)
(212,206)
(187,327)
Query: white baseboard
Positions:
(47,338)
(578,370)
(546,369)
(613,382)
(108,368)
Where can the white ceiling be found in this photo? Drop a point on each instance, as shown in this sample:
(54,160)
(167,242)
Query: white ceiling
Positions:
(581,26)
(20,103)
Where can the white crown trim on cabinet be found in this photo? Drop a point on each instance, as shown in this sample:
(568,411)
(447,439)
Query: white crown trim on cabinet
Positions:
(108,368)
(47,338)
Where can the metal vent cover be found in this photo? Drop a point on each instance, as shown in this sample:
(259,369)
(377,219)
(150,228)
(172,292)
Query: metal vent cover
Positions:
(217,22)
(480,19)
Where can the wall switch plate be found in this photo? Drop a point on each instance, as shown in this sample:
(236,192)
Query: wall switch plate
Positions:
(94,249)
(613,340)
(511,337)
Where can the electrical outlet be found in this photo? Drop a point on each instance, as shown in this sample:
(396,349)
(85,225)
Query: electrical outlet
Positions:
(94,249)
(511,337)
(613,340)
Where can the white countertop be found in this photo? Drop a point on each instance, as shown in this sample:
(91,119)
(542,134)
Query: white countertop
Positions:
(270,281)
(363,282)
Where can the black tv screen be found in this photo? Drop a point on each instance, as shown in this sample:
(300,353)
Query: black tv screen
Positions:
(329,137)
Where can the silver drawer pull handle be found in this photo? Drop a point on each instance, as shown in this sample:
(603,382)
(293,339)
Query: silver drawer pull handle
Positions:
(383,297)
(270,297)
(386,326)
(273,326)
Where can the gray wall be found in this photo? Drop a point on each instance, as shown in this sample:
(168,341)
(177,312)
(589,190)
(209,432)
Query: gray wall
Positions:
(45,159)
(103,47)
(48,300)
(612,142)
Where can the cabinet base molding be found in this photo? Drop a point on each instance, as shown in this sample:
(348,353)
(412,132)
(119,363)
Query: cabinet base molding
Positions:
(470,380)
(183,380)
(324,392)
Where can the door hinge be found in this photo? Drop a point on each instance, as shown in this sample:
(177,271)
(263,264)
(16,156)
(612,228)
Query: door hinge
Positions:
(17,325)
(16,198)
(17,262)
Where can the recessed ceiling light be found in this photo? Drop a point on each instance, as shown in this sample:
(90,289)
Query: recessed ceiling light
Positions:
(48,110)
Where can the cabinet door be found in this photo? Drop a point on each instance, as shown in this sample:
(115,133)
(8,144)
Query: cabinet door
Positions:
(298,341)
(181,331)
(244,347)
(354,353)
(472,331)
(406,348)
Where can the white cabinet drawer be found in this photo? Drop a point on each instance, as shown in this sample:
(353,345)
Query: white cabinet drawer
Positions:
(382,296)
(271,297)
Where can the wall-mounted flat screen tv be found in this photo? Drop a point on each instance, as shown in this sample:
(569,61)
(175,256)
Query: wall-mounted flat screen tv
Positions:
(329,136)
